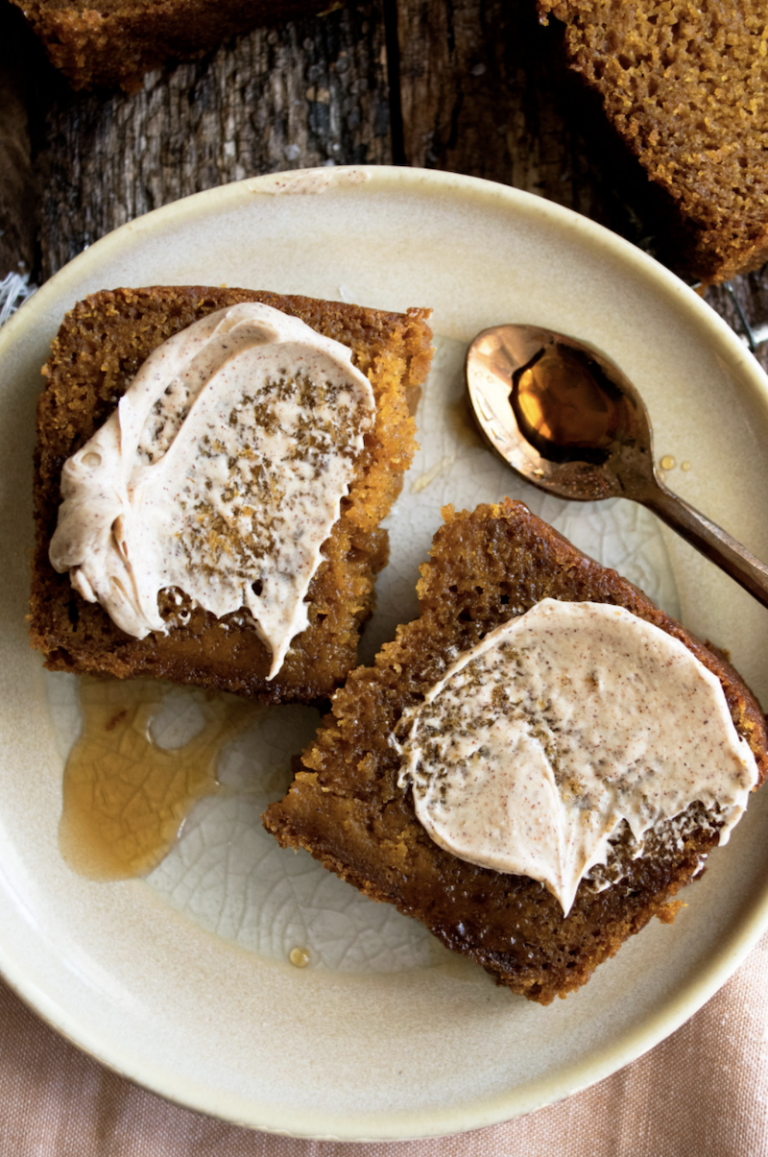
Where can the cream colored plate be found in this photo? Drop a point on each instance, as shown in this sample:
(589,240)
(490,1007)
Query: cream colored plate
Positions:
(182,981)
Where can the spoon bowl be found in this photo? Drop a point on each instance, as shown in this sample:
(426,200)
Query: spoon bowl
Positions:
(568,420)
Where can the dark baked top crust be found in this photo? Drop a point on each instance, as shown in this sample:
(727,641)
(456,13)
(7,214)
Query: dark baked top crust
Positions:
(346,808)
(101,344)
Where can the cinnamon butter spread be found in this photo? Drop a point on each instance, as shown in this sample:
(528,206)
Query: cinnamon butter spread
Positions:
(561,724)
(220,474)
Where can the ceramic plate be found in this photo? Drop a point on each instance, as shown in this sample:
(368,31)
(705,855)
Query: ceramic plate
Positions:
(183,981)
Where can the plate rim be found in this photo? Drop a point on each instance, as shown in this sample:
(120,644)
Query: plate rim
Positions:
(677,1009)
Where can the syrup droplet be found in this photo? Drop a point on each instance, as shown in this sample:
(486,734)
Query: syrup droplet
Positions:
(685,465)
(566,406)
(299,957)
(125,797)
(667,462)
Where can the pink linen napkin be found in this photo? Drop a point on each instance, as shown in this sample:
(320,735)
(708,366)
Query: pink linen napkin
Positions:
(701,1093)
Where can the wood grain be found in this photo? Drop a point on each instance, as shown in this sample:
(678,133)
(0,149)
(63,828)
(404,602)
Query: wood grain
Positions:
(475,96)
(313,92)
(18,191)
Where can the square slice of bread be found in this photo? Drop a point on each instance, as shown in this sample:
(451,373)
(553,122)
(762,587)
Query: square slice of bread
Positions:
(346,808)
(101,345)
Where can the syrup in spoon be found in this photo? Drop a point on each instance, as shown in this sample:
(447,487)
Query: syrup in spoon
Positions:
(568,420)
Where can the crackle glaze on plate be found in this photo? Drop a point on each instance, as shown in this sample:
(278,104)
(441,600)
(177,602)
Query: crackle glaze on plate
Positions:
(182,981)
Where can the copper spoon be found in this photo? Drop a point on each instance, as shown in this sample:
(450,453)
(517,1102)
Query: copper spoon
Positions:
(567,419)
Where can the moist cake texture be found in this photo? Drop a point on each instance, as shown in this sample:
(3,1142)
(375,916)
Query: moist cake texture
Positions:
(101,345)
(346,808)
(686,87)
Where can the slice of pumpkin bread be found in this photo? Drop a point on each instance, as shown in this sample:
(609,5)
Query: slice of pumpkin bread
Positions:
(100,347)
(346,806)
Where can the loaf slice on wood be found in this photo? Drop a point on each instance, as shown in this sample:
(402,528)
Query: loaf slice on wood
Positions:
(686,87)
(346,808)
(101,345)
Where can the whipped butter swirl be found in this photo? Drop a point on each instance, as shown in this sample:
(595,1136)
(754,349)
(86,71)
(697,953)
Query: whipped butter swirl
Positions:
(220,474)
(536,744)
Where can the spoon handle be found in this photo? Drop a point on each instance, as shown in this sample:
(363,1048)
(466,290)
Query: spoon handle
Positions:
(714,543)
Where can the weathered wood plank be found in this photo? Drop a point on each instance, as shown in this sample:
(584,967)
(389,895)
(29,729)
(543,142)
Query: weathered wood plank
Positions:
(18,200)
(480,93)
(314,92)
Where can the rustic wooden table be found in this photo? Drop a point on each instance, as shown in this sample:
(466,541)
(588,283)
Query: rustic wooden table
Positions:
(469,86)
